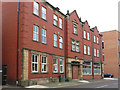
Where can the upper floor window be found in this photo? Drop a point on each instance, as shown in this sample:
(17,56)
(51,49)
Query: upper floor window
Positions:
(44,13)
(88,50)
(34,63)
(74,28)
(94,39)
(94,51)
(55,65)
(103,57)
(85,52)
(35,33)
(97,40)
(75,45)
(60,42)
(55,40)
(60,23)
(88,36)
(44,64)
(102,44)
(61,66)
(118,42)
(119,55)
(35,8)
(55,21)
(97,53)
(43,36)
(84,34)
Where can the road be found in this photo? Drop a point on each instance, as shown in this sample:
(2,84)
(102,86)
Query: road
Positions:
(103,84)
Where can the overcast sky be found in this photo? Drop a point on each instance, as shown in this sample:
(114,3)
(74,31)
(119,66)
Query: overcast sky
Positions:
(100,13)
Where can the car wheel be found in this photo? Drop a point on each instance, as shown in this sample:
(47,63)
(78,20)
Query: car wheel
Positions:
(110,76)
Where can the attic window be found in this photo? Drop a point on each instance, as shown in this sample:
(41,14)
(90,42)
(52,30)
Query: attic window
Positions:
(75,21)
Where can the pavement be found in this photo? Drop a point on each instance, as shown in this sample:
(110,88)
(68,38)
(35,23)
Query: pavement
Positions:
(72,83)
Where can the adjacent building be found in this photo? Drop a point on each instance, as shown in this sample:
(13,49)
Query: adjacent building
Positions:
(111,51)
(40,44)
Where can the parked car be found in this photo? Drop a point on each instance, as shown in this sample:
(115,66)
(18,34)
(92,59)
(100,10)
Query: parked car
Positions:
(108,75)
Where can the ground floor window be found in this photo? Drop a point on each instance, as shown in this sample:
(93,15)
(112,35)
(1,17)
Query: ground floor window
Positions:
(97,68)
(34,63)
(55,65)
(61,65)
(44,64)
(86,68)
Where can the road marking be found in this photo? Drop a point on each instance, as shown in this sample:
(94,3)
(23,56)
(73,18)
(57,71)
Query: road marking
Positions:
(102,86)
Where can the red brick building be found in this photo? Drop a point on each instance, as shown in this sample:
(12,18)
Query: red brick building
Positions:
(40,43)
(111,52)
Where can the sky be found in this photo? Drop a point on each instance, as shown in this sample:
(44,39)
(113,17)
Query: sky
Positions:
(100,13)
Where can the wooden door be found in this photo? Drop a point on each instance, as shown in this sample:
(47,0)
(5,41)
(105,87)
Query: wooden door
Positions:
(75,72)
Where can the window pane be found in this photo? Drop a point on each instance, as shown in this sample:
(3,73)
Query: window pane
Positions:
(73,47)
(60,22)
(77,48)
(84,34)
(55,17)
(35,58)
(35,67)
(88,36)
(61,62)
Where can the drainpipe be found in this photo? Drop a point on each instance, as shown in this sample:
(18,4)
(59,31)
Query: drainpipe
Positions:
(92,55)
(17,39)
(65,43)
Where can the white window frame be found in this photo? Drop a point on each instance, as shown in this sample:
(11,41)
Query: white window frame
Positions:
(55,65)
(73,45)
(97,40)
(44,36)
(60,23)
(43,64)
(35,33)
(88,50)
(44,12)
(34,63)
(36,8)
(94,38)
(61,65)
(77,46)
(88,36)
(60,42)
(84,34)
(99,69)
(55,40)
(95,52)
(85,52)
(87,69)
(55,20)
(74,28)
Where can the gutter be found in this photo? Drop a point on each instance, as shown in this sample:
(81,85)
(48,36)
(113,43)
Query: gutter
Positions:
(17,39)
